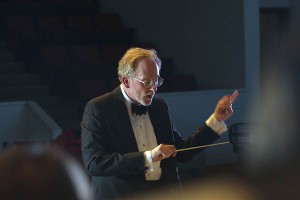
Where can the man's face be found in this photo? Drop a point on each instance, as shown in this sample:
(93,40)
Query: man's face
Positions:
(145,70)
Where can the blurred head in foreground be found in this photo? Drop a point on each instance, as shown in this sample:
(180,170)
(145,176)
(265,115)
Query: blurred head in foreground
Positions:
(41,172)
(277,143)
(212,188)
(273,160)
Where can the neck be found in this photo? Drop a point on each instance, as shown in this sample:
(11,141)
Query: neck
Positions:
(126,96)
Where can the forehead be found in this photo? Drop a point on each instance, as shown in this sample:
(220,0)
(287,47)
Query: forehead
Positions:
(146,67)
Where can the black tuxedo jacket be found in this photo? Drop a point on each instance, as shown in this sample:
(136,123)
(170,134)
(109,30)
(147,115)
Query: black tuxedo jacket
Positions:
(110,151)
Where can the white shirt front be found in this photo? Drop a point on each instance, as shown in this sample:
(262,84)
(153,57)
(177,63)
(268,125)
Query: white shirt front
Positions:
(145,138)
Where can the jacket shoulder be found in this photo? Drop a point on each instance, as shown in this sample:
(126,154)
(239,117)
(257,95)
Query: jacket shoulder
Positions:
(159,103)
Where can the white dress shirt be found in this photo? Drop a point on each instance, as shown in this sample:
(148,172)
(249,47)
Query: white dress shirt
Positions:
(145,138)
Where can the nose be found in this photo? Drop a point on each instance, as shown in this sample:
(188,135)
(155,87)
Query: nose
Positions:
(154,88)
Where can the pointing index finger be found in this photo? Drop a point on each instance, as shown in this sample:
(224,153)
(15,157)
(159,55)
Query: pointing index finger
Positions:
(234,95)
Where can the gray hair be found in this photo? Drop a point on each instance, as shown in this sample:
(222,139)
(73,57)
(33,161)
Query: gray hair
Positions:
(127,62)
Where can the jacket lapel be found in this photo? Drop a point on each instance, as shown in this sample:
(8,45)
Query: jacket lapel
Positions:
(124,128)
(156,121)
(121,118)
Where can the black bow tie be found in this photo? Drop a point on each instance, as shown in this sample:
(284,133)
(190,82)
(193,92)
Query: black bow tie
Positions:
(138,109)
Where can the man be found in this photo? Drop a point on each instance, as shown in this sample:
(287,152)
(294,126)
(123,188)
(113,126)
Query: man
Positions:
(128,140)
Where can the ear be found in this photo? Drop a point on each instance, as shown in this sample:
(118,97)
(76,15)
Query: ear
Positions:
(125,81)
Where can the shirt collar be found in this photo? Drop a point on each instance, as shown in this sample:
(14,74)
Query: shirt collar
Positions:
(126,97)
(127,100)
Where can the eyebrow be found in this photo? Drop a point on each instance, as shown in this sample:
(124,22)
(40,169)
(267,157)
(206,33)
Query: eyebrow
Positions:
(150,78)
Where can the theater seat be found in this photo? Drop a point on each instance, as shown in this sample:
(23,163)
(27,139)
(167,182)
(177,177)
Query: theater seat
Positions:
(91,88)
(86,54)
(70,143)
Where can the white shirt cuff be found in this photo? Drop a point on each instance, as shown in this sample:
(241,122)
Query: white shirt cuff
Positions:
(148,160)
(215,125)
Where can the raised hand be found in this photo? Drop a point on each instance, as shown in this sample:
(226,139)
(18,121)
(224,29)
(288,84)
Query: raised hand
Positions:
(224,109)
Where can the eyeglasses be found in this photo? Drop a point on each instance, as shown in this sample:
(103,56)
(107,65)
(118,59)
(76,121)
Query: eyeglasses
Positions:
(149,83)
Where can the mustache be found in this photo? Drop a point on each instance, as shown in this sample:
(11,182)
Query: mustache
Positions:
(150,94)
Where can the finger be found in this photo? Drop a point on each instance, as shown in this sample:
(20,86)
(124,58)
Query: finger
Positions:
(174,153)
(234,95)
(229,111)
(160,157)
(166,155)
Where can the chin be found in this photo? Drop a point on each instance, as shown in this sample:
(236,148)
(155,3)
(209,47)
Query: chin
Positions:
(146,103)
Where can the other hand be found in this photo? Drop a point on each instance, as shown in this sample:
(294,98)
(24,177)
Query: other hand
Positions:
(163,151)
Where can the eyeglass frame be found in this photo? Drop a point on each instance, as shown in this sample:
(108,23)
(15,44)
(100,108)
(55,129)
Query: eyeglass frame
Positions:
(159,81)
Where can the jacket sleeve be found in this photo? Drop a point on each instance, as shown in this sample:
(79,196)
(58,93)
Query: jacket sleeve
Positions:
(203,136)
(99,156)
